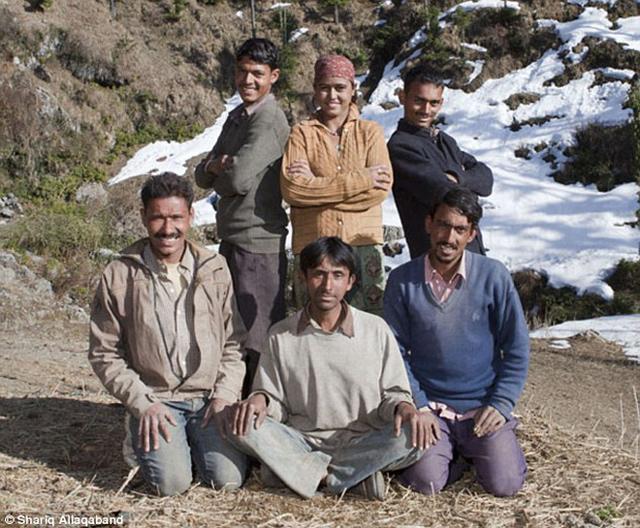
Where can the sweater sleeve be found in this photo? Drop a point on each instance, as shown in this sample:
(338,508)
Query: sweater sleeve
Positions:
(397,317)
(377,154)
(260,149)
(512,343)
(268,380)
(394,385)
(228,382)
(476,175)
(350,188)
(108,356)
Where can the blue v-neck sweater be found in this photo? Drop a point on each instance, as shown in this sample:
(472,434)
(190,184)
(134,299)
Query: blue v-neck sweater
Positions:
(473,349)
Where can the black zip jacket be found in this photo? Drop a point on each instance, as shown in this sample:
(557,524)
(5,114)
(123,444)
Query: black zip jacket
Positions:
(420,159)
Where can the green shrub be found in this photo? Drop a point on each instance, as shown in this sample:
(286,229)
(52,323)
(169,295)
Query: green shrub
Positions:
(335,5)
(176,10)
(126,141)
(284,21)
(288,64)
(59,230)
(40,5)
(602,155)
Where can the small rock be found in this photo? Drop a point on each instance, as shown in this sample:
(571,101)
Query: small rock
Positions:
(7,212)
(43,287)
(76,313)
(593,519)
(7,275)
(92,193)
(8,260)
(392,233)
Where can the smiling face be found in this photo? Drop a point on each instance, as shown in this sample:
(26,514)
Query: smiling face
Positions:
(167,221)
(422,102)
(327,284)
(333,95)
(450,233)
(254,80)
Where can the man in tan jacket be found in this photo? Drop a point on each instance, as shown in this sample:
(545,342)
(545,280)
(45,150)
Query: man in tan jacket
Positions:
(166,341)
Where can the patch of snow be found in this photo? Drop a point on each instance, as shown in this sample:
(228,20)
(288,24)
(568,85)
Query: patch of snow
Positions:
(298,33)
(477,69)
(474,47)
(621,329)
(280,5)
(615,73)
(239,14)
(583,3)
(172,156)
(474,5)
(560,344)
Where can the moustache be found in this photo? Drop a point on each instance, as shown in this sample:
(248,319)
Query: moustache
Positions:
(174,235)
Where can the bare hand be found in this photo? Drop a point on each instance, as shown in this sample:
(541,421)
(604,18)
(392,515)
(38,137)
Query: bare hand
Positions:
(425,430)
(381,176)
(488,420)
(219,164)
(153,423)
(245,411)
(218,410)
(300,169)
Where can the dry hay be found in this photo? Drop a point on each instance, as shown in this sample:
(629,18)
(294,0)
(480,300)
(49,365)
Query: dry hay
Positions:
(62,455)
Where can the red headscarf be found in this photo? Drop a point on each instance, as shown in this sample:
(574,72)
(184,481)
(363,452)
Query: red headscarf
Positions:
(334,66)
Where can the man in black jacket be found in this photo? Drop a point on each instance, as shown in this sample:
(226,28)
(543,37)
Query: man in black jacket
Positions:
(427,162)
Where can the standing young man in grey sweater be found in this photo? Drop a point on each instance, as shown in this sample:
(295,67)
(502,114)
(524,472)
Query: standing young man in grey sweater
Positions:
(243,168)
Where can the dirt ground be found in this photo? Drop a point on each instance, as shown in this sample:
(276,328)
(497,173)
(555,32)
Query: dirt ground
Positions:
(60,437)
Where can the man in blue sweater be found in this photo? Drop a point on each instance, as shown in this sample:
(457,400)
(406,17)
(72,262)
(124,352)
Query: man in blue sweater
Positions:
(427,162)
(461,330)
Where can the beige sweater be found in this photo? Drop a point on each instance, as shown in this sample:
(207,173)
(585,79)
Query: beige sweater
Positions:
(330,386)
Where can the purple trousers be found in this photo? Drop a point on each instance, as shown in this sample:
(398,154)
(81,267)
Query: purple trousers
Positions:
(497,458)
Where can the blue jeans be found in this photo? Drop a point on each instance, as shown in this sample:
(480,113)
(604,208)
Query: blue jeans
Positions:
(168,469)
(301,465)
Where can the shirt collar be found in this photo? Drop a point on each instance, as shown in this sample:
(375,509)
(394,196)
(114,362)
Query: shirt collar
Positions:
(405,126)
(461,272)
(345,323)
(187,262)
(244,110)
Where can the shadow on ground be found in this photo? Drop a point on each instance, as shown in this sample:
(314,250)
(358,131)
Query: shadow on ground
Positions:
(82,439)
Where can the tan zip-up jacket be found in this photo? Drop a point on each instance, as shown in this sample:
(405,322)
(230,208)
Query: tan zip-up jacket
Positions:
(127,351)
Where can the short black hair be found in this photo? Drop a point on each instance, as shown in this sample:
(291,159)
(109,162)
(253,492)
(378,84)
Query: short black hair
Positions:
(422,74)
(463,200)
(338,252)
(165,185)
(259,50)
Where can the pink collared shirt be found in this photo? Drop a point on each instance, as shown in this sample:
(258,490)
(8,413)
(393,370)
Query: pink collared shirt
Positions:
(441,288)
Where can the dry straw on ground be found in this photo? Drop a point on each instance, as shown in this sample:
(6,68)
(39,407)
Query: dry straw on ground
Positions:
(62,455)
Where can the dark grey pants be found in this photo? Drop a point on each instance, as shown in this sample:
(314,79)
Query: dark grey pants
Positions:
(259,282)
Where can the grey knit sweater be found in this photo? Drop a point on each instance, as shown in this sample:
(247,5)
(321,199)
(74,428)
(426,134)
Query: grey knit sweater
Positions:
(250,213)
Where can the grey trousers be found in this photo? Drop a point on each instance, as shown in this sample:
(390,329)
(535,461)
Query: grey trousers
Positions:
(290,455)
(258,281)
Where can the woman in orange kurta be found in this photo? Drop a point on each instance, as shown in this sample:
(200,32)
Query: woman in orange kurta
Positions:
(335,175)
